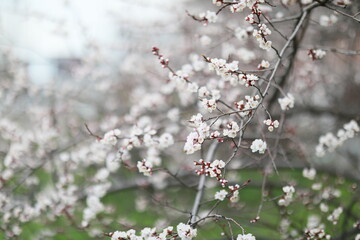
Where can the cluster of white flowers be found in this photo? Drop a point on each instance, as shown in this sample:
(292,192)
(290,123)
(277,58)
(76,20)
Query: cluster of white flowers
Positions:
(258,145)
(197,61)
(193,142)
(111,137)
(241,33)
(145,234)
(144,134)
(287,198)
(145,167)
(209,99)
(316,54)
(249,104)
(212,169)
(234,197)
(208,17)
(218,2)
(242,4)
(94,206)
(180,79)
(329,141)
(335,215)
(248,236)
(314,221)
(329,193)
(309,173)
(263,65)
(165,140)
(260,35)
(186,232)
(327,21)
(238,7)
(246,55)
(221,195)
(248,79)
(209,104)
(324,207)
(316,233)
(231,130)
(195,139)
(271,124)
(222,68)
(287,102)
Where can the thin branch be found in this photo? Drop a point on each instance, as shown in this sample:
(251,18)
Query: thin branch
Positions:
(342,13)
(201,185)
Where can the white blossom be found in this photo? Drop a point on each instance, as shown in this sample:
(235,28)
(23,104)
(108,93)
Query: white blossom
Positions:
(258,145)
(287,102)
(335,215)
(186,232)
(231,130)
(309,173)
(145,167)
(248,236)
(221,195)
(111,137)
(288,197)
(327,21)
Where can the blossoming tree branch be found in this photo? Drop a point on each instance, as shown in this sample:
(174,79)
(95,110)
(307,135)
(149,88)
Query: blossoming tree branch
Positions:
(188,140)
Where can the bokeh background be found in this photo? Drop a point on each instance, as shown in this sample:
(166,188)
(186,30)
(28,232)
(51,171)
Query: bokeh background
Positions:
(65,63)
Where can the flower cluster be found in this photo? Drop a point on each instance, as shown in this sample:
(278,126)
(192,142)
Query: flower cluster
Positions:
(145,167)
(221,195)
(248,236)
(242,4)
(208,17)
(248,79)
(329,141)
(222,68)
(248,105)
(263,65)
(316,54)
(258,145)
(111,137)
(231,130)
(212,169)
(271,124)
(195,139)
(150,234)
(317,233)
(260,36)
(243,33)
(94,206)
(335,215)
(287,198)
(234,193)
(327,21)
(209,99)
(287,102)
(186,232)
(309,173)
(218,2)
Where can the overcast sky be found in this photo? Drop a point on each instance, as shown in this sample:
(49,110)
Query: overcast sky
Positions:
(41,30)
